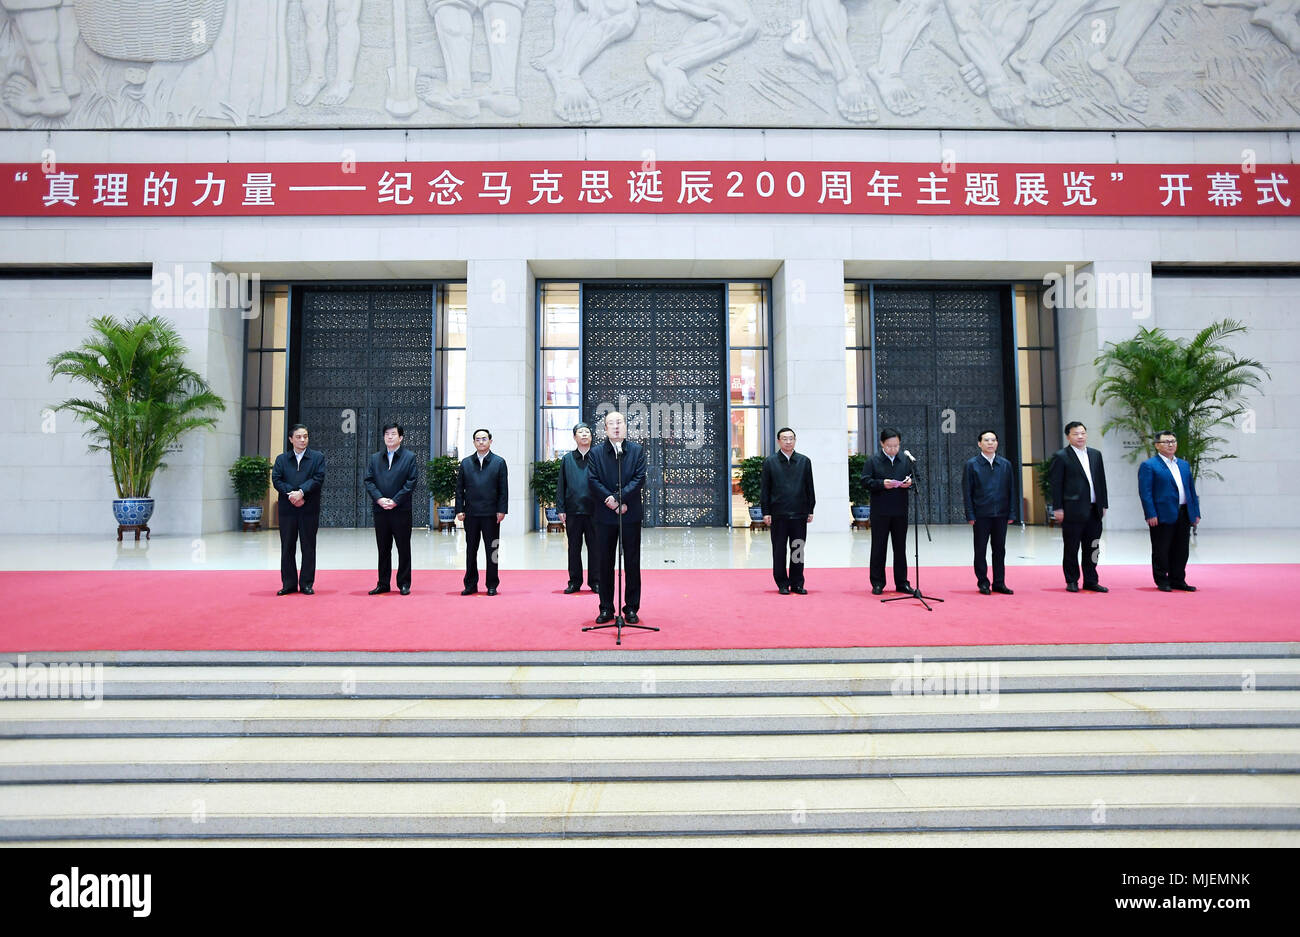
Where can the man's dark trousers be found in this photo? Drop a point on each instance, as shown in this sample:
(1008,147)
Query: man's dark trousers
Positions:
(994,528)
(579,528)
(393,526)
(298,526)
(889,531)
(1085,534)
(1170,547)
(607,550)
(488,529)
(788,533)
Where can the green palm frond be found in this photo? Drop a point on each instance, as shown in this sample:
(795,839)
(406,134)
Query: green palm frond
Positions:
(145,396)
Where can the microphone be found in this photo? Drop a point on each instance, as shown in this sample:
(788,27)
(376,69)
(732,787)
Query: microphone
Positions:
(909,455)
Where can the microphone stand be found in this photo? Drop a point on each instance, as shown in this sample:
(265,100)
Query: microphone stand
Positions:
(916,592)
(618,622)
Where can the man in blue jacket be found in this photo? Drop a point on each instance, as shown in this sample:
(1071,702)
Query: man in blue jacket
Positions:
(986,487)
(1172,509)
(391,475)
(298,475)
(573,503)
(617,457)
(482,500)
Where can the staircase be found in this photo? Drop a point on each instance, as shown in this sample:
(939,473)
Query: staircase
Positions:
(1105,745)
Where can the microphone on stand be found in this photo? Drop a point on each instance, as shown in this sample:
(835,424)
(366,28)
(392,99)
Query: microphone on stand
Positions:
(909,455)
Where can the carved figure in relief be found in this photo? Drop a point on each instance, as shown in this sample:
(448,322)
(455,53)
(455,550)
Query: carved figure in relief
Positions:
(347,31)
(47,32)
(454,22)
(585,28)
(1132,19)
(1280,17)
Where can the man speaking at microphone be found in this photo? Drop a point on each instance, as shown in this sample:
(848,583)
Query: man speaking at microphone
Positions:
(888,476)
(617,457)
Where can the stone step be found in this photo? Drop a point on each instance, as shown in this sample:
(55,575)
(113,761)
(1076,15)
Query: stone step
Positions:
(808,679)
(649,715)
(621,757)
(513,808)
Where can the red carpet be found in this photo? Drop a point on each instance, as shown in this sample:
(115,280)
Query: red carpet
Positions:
(238,610)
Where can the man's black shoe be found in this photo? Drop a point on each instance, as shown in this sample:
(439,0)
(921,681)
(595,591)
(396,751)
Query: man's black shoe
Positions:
(876,590)
(1164,587)
(631,618)
(1095,587)
(308,590)
(468,591)
(286,592)
(492,592)
(1003,590)
(784,590)
(1184,587)
(404,590)
(1071,587)
(798,590)
(984,589)
(604,617)
(571,588)
(905,588)
(378,590)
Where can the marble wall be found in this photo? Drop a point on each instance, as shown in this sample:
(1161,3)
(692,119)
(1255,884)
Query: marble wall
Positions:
(1056,64)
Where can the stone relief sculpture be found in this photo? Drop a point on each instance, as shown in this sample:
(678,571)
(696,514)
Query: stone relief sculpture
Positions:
(347,37)
(585,28)
(454,22)
(1280,17)
(47,32)
(1079,64)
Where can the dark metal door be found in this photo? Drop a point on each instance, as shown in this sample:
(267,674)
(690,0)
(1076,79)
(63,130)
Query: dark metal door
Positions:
(940,380)
(366,358)
(657,352)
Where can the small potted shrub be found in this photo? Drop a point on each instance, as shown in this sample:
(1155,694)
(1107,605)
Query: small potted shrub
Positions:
(251,476)
(440,475)
(751,486)
(544,482)
(859,494)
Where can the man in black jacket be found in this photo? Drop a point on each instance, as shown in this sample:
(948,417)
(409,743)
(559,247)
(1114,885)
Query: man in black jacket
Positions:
(482,500)
(987,490)
(391,475)
(573,503)
(298,476)
(787,500)
(617,457)
(888,476)
(1078,488)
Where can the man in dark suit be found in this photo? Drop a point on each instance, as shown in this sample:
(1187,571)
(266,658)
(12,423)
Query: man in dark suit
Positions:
(482,500)
(888,476)
(1078,486)
(573,503)
(1172,509)
(618,515)
(298,476)
(988,491)
(787,499)
(391,475)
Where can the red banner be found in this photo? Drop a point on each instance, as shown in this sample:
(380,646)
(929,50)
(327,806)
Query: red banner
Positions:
(614,187)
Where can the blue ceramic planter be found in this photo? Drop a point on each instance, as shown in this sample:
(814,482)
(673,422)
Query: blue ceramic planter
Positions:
(251,514)
(132,512)
(862,512)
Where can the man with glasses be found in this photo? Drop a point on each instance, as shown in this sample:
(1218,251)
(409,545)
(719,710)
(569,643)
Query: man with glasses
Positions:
(391,475)
(787,499)
(986,486)
(482,500)
(573,504)
(888,476)
(618,515)
(1172,509)
(1077,477)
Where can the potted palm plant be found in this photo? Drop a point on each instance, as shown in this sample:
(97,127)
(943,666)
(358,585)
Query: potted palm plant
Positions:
(859,493)
(440,475)
(544,482)
(1191,387)
(143,399)
(1043,476)
(251,476)
(751,486)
